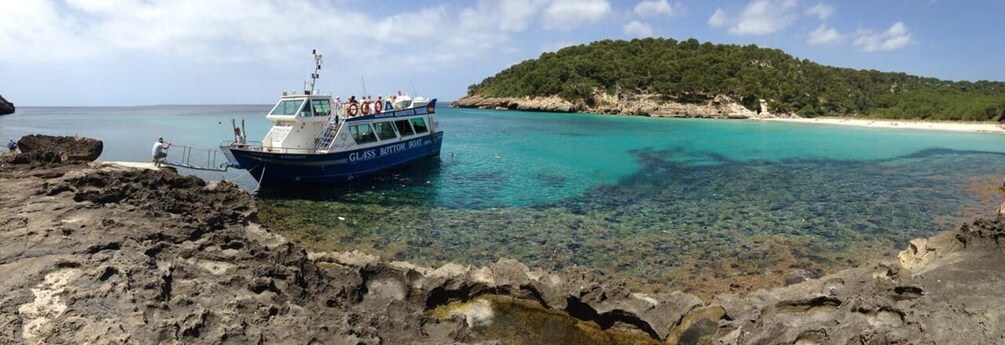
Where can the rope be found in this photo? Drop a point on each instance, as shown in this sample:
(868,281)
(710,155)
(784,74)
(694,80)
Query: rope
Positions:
(239,174)
(260,178)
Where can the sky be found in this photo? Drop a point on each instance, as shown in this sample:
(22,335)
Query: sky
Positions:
(152,52)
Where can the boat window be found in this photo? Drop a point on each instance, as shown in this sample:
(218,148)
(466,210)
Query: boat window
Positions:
(287,107)
(362,134)
(384,130)
(404,128)
(306,111)
(419,124)
(322,107)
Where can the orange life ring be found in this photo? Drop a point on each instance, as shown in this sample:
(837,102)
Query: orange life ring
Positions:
(376,107)
(353,109)
(365,109)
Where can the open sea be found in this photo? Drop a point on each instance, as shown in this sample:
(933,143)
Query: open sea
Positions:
(684,201)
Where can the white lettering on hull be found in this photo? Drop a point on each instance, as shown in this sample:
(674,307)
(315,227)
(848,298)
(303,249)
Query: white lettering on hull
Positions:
(386,150)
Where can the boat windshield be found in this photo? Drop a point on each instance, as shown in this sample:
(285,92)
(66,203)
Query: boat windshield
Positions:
(287,107)
(322,107)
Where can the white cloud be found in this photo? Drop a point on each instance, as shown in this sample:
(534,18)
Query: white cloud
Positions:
(824,35)
(568,14)
(896,37)
(821,10)
(516,15)
(638,29)
(241,30)
(652,8)
(762,17)
(718,19)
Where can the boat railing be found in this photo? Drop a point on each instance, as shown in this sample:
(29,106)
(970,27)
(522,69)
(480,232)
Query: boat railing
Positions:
(258,146)
(237,144)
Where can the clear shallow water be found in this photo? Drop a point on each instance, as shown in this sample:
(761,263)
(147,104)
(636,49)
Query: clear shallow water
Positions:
(686,201)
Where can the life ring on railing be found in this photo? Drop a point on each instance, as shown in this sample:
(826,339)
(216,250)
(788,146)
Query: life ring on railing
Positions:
(388,105)
(365,108)
(376,108)
(352,110)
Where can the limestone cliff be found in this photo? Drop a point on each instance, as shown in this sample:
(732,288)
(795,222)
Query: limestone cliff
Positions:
(720,107)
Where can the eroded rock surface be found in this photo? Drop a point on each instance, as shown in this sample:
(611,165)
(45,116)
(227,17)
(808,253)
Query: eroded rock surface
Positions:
(94,253)
(57,149)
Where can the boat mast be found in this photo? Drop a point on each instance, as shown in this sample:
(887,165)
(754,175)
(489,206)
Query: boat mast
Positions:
(316,75)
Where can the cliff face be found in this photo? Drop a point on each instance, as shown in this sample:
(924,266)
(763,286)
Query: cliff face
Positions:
(720,107)
(6,107)
(94,253)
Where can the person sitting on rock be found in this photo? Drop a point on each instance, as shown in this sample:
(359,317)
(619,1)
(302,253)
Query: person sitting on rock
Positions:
(11,145)
(160,151)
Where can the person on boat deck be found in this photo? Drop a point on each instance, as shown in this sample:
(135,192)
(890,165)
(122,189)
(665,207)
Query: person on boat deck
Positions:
(352,100)
(238,137)
(11,145)
(160,151)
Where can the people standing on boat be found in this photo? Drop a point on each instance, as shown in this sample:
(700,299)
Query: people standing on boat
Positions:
(238,137)
(160,151)
(11,145)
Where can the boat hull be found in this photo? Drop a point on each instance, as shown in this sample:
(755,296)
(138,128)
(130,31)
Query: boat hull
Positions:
(270,168)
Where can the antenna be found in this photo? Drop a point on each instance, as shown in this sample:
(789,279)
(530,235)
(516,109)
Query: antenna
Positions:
(361,79)
(414,93)
(316,75)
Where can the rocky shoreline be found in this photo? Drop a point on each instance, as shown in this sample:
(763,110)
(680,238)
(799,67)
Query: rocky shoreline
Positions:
(720,107)
(6,107)
(97,253)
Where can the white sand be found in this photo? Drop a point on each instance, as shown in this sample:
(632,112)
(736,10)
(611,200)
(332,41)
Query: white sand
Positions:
(976,127)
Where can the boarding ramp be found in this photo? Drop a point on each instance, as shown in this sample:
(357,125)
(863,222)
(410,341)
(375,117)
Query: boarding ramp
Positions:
(196,158)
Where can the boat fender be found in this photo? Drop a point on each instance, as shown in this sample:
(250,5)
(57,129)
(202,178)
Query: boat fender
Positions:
(353,109)
(365,108)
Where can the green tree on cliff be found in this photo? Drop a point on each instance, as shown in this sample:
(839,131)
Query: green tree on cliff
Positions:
(691,71)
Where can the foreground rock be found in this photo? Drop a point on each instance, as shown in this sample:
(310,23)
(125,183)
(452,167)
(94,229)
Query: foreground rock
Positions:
(95,253)
(6,107)
(61,149)
(721,107)
(100,253)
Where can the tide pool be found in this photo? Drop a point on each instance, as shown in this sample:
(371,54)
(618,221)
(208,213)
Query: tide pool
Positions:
(696,203)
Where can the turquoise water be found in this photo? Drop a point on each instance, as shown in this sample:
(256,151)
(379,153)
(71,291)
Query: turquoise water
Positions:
(660,199)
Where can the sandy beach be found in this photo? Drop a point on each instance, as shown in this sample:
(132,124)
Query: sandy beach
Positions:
(976,127)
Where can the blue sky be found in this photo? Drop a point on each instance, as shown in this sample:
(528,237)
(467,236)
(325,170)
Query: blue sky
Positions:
(144,52)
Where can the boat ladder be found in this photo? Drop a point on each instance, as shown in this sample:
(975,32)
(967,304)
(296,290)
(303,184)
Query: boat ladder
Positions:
(328,134)
(195,158)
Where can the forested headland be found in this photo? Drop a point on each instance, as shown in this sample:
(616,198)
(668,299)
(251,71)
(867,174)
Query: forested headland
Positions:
(693,72)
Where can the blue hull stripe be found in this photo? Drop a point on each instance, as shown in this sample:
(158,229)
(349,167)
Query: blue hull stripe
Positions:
(285,168)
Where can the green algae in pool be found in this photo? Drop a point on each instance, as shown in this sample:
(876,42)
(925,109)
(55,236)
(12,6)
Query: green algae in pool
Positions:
(696,203)
(514,321)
